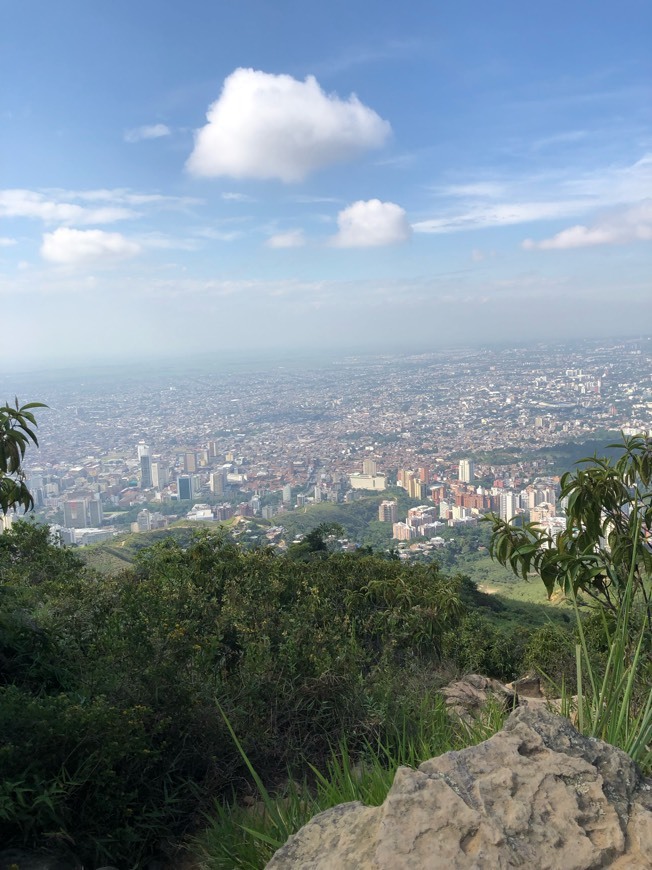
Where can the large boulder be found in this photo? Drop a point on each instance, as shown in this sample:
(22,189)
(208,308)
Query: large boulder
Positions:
(536,795)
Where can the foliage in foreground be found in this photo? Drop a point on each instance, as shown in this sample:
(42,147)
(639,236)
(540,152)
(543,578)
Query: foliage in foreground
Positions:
(110,686)
(604,556)
(17,426)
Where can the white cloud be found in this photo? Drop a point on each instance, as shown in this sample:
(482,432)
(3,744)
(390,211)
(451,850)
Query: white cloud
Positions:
(31,204)
(291,239)
(237,197)
(6,242)
(121,196)
(371,224)
(500,215)
(274,126)
(475,190)
(546,196)
(148,131)
(618,228)
(70,247)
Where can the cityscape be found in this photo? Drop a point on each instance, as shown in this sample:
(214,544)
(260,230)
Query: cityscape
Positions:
(208,442)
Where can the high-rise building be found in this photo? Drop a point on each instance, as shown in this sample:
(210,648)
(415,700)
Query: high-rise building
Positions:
(75,514)
(159,474)
(145,472)
(388,511)
(190,462)
(287,494)
(185,488)
(95,513)
(369,466)
(424,475)
(509,504)
(466,471)
(403,532)
(415,488)
(143,449)
(217,481)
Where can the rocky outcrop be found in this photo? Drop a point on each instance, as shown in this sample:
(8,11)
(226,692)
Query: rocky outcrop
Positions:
(536,795)
(468,697)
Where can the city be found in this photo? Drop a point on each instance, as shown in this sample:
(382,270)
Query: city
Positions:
(155,445)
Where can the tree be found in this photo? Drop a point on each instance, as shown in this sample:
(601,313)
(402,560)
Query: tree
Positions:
(605,549)
(16,433)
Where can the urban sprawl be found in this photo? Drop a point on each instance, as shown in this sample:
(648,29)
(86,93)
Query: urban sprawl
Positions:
(208,442)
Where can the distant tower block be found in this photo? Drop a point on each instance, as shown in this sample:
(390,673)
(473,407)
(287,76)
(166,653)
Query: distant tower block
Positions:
(466,471)
(388,512)
(369,466)
(185,488)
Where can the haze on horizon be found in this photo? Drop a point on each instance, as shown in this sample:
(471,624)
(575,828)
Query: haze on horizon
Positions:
(216,177)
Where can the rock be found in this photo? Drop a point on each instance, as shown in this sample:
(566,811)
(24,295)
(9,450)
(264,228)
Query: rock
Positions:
(536,795)
(468,697)
(527,687)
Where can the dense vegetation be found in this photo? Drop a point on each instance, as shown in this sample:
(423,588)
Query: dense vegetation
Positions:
(111,686)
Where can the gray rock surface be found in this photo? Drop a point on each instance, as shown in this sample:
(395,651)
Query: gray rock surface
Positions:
(468,697)
(537,795)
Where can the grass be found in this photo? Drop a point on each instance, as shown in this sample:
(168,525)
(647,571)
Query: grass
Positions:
(246,837)
(614,703)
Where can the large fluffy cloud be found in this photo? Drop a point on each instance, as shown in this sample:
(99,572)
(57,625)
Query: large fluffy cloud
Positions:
(371,223)
(618,228)
(274,126)
(70,247)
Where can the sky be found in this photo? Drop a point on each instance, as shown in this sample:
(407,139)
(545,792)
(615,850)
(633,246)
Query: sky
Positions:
(179,178)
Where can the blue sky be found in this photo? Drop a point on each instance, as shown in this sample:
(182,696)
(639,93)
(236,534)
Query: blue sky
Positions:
(183,177)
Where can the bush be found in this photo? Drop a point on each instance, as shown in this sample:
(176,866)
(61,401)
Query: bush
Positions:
(112,686)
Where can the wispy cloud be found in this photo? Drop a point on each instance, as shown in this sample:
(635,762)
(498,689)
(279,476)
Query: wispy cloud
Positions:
(509,201)
(6,242)
(148,131)
(290,239)
(18,203)
(230,196)
(565,138)
(620,227)
(500,215)
(360,55)
(308,199)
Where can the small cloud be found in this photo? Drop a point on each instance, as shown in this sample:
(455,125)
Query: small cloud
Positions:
(219,235)
(70,247)
(148,131)
(291,239)
(477,255)
(307,199)
(275,126)
(477,190)
(238,197)
(399,161)
(6,242)
(371,224)
(620,227)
